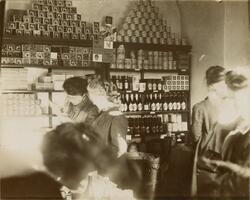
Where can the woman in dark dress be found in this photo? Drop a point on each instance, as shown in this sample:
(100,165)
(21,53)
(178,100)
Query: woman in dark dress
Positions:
(110,124)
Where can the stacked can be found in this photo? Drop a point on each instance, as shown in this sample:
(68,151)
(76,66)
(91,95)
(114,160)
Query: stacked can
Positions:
(120,57)
(54,19)
(144,24)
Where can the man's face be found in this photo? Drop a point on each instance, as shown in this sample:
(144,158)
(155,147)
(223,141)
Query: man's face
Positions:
(221,89)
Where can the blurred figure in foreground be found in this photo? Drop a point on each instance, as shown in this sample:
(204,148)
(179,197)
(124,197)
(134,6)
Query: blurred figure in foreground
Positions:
(209,129)
(71,154)
(234,169)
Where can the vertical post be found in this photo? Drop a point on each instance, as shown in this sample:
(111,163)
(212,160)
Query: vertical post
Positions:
(2,13)
(50,108)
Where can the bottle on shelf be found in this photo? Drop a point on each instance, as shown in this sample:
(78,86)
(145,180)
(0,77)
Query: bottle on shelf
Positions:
(159,102)
(146,103)
(178,103)
(139,105)
(131,103)
(135,102)
(174,100)
(170,102)
(183,102)
(127,102)
(152,102)
(126,83)
(165,102)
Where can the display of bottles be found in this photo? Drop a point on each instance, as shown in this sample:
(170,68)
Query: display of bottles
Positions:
(154,101)
(139,127)
(173,125)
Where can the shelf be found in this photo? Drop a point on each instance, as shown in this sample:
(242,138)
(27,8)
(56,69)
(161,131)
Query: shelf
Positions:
(155,112)
(151,92)
(155,47)
(47,67)
(23,116)
(10,39)
(30,91)
(150,70)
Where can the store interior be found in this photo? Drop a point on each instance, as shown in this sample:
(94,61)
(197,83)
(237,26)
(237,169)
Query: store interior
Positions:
(154,53)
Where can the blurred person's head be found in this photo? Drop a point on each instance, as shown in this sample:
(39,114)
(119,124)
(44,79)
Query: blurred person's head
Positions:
(75,88)
(133,147)
(103,94)
(237,81)
(215,77)
(71,151)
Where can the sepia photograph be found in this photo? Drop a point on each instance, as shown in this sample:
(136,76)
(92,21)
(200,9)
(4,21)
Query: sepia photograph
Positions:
(124,100)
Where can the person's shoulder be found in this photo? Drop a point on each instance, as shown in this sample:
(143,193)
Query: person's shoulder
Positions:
(199,106)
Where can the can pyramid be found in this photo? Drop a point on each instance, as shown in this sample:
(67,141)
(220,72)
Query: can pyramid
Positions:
(144,24)
(54,19)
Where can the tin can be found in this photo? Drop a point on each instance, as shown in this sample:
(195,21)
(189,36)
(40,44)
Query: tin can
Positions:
(125,26)
(145,64)
(144,34)
(150,34)
(143,21)
(148,40)
(129,32)
(133,39)
(139,14)
(147,28)
(145,15)
(133,27)
(126,39)
(119,38)
(154,28)
(150,21)
(141,40)
(136,20)
(137,33)
(140,27)
(162,41)
(128,63)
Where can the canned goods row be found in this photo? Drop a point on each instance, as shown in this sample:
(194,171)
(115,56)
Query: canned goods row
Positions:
(143,21)
(150,40)
(151,33)
(144,64)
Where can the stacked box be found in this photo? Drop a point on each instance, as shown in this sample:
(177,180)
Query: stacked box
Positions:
(46,55)
(15,78)
(144,24)
(53,19)
(176,82)
(19,105)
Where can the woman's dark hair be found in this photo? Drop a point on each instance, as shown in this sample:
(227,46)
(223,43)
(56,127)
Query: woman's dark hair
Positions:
(75,86)
(238,79)
(70,148)
(215,74)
